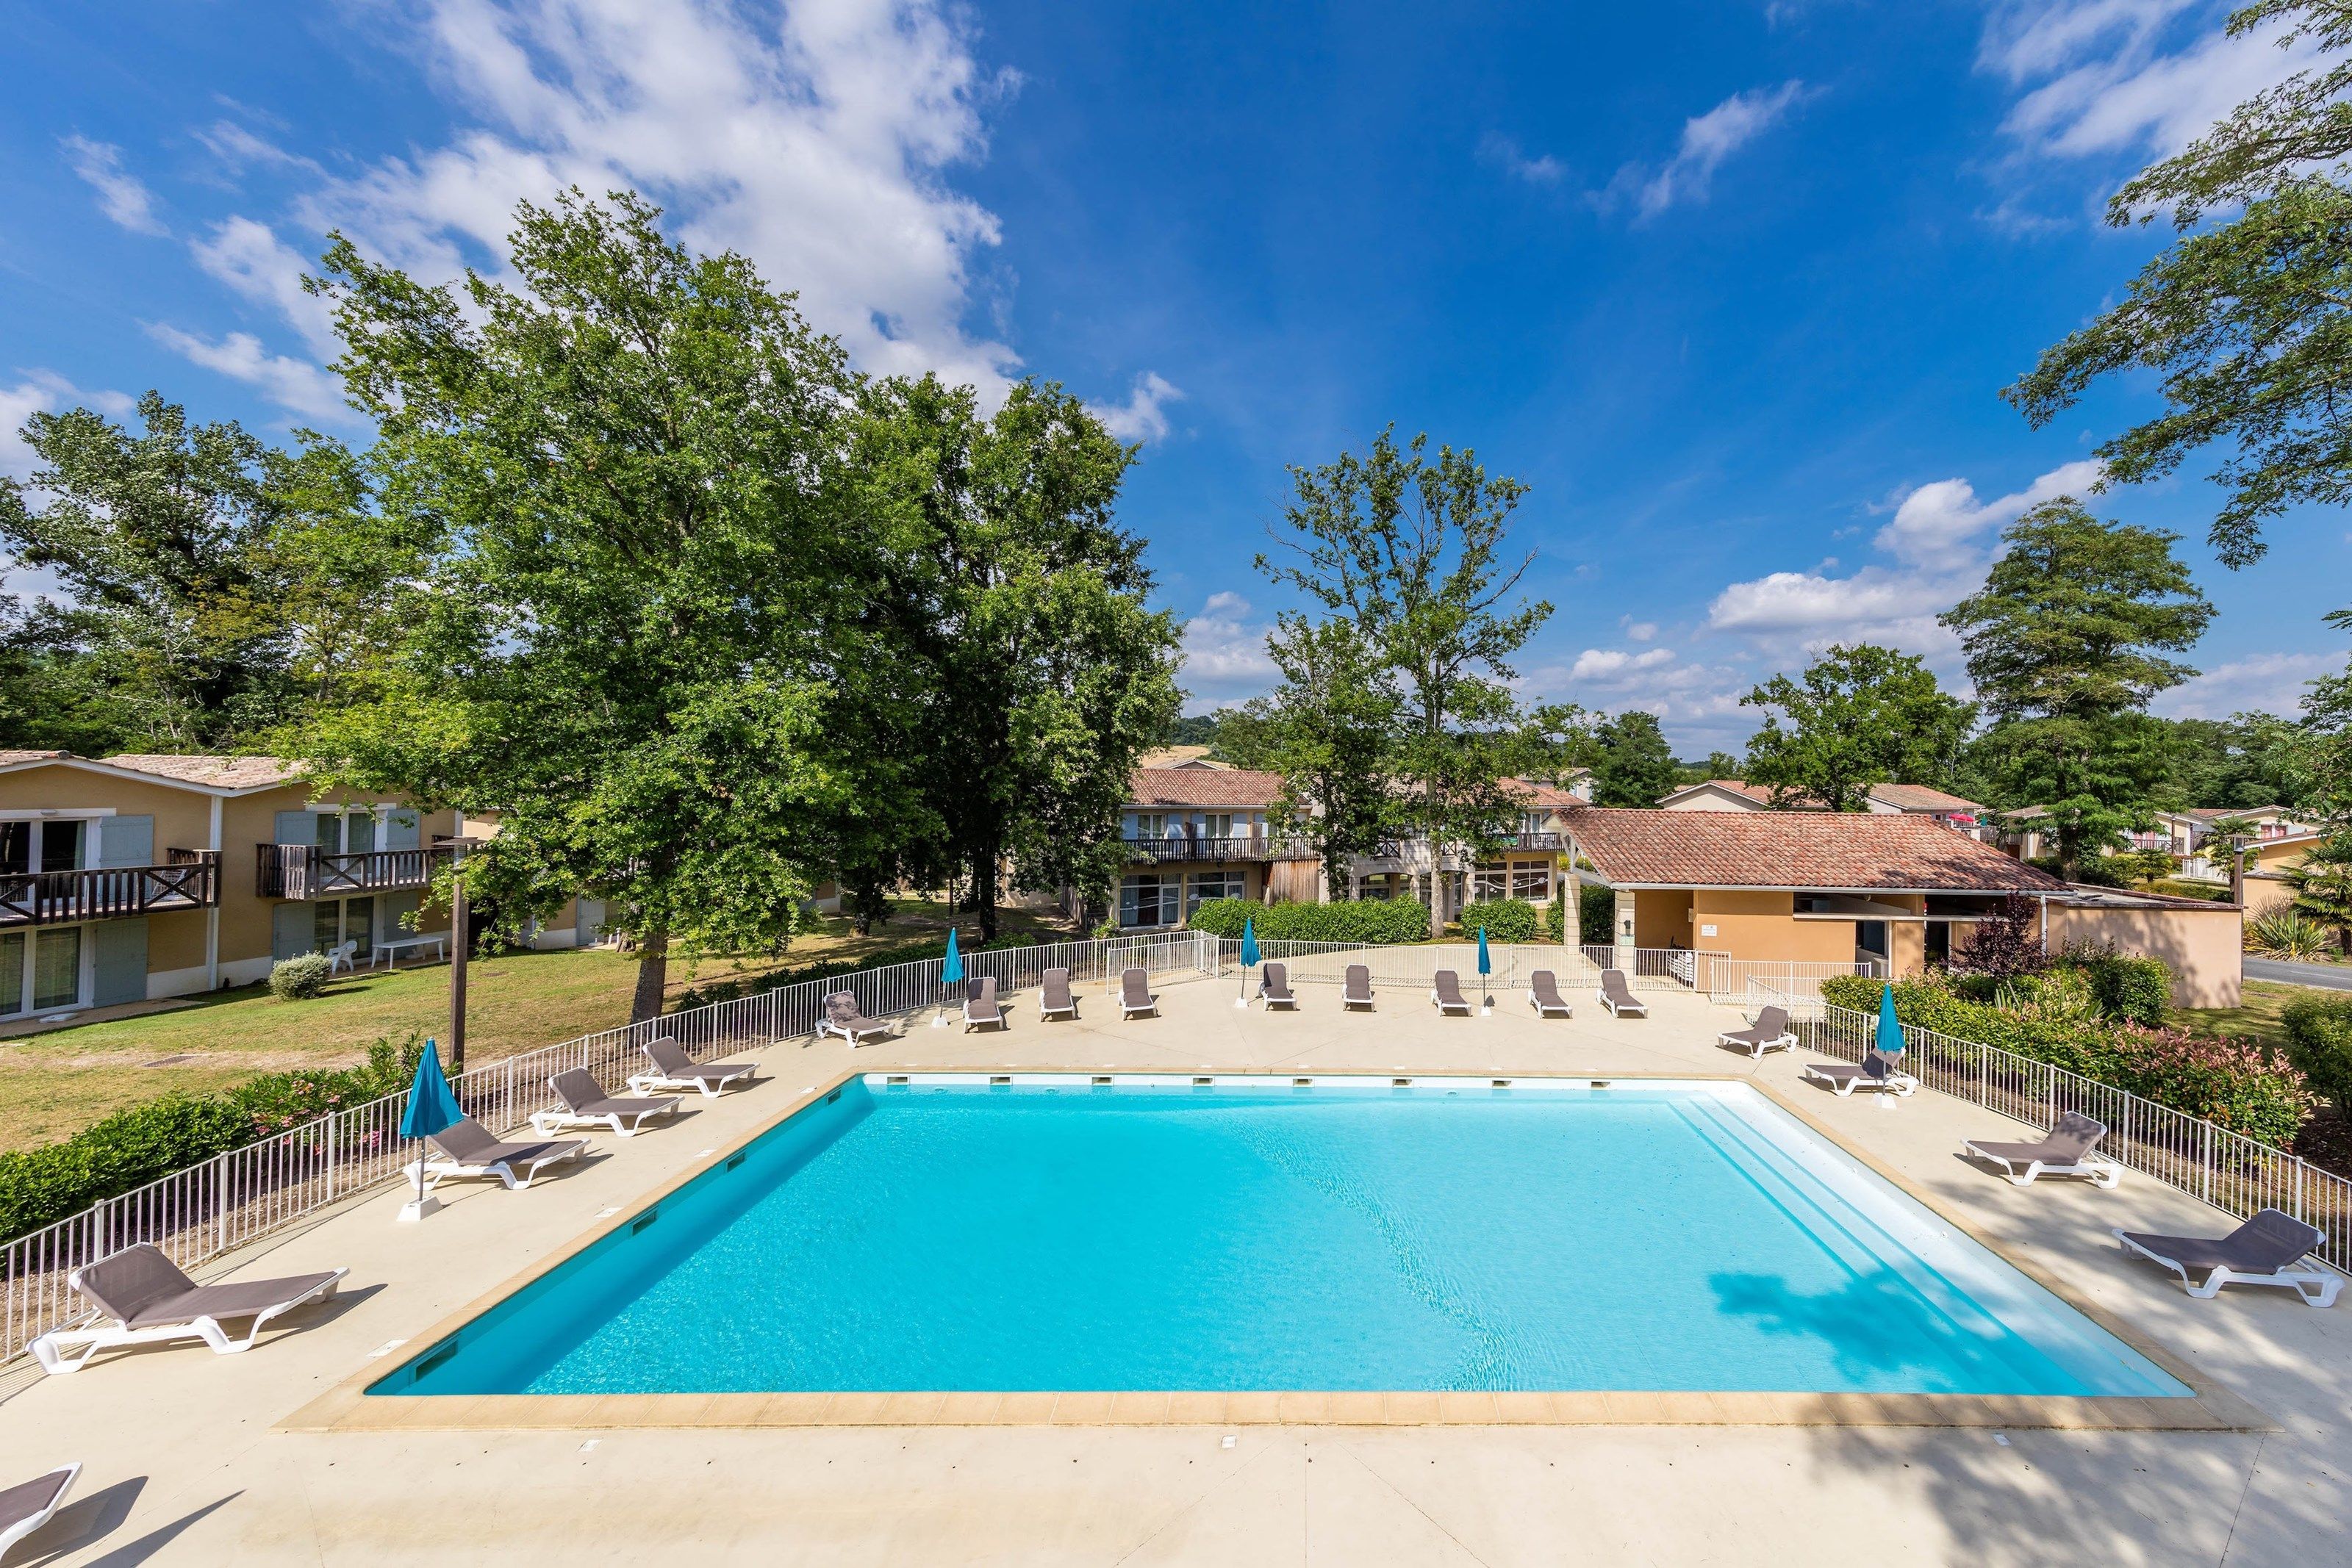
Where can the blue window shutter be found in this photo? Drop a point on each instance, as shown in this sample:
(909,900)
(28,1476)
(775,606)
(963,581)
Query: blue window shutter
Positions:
(119,960)
(126,842)
(291,931)
(402,829)
(297,827)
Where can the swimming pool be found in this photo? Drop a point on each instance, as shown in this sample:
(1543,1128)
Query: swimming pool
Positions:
(1053,1232)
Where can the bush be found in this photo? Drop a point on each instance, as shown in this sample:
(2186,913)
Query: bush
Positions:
(2286,934)
(299,979)
(1505,919)
(1596,915)
(1356,920)
(1555,920)
(2237,1083)
(2129,986)
(130,1148)
(2319,1043)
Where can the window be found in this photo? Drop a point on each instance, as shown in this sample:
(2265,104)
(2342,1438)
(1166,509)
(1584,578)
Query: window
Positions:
(56,844)
(41,970)
(346,920)
(12,973)
(1149,899)
(1206,885)
(1487,883)
(1532,882)
(346,832)
(1220,825)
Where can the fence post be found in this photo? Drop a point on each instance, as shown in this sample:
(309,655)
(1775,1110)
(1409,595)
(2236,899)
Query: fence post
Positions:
(2207,1161)
(334,1120)
(220,1189)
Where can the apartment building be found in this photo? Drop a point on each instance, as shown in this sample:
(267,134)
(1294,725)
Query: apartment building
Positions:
(1196,829)
(1951,811)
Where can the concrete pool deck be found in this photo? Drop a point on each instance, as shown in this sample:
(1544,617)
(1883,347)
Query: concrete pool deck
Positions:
(188,1458)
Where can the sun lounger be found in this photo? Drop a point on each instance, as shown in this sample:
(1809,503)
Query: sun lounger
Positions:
(1769,1033)
(1274,988)
(1876,1070)
(674,1068)
(1446,993)
(1618,997)
(1543,994)
(1357,991)
(583,1103)
(466,1149)
(841,1018)
(28,1506)
(1058,1000)
(982,1010)
(2262,1251)
(142,1298)
(1135,994)
(2065,1152)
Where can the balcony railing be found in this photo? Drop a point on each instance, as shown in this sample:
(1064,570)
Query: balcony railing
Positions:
(1185,847)
(1531,841)
(304,870)
(189,879)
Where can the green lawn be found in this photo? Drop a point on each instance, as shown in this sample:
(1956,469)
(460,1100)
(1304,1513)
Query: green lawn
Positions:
(55,1084)
(2255,1017)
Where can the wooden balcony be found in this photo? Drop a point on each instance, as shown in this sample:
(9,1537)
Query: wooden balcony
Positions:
(1184,847)
(189,879)
(303,870)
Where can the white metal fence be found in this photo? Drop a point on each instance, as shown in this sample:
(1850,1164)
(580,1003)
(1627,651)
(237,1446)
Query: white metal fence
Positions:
(2231,1172)
(227,1202)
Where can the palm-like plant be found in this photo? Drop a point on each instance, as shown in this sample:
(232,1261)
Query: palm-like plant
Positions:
(2323,885)
(2285,933)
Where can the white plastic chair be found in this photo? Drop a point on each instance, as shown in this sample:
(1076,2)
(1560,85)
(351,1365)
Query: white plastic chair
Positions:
(344,955)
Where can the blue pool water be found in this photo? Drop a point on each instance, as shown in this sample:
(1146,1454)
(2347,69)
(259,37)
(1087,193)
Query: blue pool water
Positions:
(1063,1235)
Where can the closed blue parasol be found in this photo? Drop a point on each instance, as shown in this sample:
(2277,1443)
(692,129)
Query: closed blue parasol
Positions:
(1485,967)
(431,1109)
(1249,956)
(950,976)
(1890,1032)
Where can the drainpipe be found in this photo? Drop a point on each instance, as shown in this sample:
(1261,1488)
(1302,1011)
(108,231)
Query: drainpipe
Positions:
(212,915)
(2045,925)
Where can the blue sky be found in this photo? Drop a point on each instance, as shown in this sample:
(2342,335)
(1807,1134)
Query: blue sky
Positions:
(1732,285)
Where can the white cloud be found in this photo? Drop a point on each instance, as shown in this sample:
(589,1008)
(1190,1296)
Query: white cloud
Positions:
(1939,540)
(121,195)
(1224,651)
(1144,415)
(1602,664)
(251,259)
(1706,141)
(1505,153)
(1639,631)
(2137,77)
(292,383)
(2269,682)
(41,392)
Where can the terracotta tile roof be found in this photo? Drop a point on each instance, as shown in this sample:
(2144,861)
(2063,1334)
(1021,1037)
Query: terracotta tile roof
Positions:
(1921,798)
(10,758)
(2216,813)
(1850,850)
(1548,795)
(1223,788)
(212,772)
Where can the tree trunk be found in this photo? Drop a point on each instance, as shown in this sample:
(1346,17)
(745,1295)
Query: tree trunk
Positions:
(653,976)
(983,891)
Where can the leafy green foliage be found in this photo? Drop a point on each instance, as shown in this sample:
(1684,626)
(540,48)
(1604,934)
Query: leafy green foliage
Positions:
(2235,1083)
(2286,934)
(1328,730)
(2319,1041)
(1631,764)
(300,979)
(2066,644)
(2129,986)
(1504,919)
(1596,915)
(1860,716)
(2323,885)
(1359,920)
(130,1148)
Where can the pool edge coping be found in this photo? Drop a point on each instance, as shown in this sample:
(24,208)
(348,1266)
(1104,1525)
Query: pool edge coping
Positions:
(346,1407)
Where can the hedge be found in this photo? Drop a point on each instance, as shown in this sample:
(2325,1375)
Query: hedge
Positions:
(2234,1083)
(2319,1042)
(1504,919)
(130,1148)
(2130,987)
(1358,920)
(1596,914)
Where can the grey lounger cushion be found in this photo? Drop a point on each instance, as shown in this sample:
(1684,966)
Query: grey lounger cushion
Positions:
(672,1059)
(1770,1028)
(1135,992)
(583,1096)
(2075,1136)
(1054,985)
(139,1288)
(842,1017)
(25,1506)
(1445,990)
(1357,991)
(2268,1242)
(1274,983)
(1618,995)
(981,1007)
(470,1144)
(1544,986)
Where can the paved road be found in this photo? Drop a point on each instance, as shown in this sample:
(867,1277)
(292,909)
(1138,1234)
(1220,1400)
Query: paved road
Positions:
(2329,977)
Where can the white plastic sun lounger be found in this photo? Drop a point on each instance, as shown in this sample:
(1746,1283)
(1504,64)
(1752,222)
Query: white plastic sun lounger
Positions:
(1770,1031)
(1618,997)
(841,1018)
(1055,998)
(2065,1152)
(1274,988)
(1876,1070)
(1446,993)
(1543,994)
(674,1068)
(981,1008)
(2265,1251)
(467,1150)
(28,1505)
(581,1102)
(1135,994)
(1357,991)
(142,1298)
